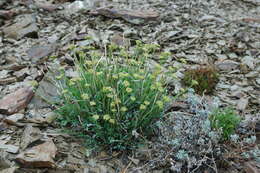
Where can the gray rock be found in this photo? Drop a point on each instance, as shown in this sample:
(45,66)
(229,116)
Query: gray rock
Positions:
(249,62)
(227,65)
(40,53)
(47,93)
(26,27)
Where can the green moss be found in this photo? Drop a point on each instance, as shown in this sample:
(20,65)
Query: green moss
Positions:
(202,80)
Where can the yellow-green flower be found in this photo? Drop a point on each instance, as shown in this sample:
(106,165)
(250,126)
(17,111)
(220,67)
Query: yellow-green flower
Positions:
(153,87)
(129,90)
(123,109)
(89,62)
(112,104)
(110,95)
(34,83)
(64,91)
(87,85)
(71,83)
(92,103)
(59,77)
(117,101)
(160,89)
(166,99)
(106,117)
(126,83)
(84,96)
(183,61)
(123,74)
(142,107)
(160,104)
(146,103)
(95,117)
(113,110)
(112,121)
(75,79)
(115,76)
(158,84)
(107,89)
(132,98)
(91,71)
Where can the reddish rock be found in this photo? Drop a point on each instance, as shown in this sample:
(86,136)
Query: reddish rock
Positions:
(40,156)
(131,16)
(14,102)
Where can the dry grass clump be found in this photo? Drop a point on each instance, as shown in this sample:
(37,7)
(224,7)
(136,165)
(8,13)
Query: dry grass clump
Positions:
(202,79)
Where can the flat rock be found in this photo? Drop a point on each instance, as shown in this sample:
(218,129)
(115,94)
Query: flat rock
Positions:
(39,53)
(249,61)
(6,14)
(40,156)
(14,102)
(9,148)
(26,27)
(8,80)
(30,135)
(13,119)
(250,167)
(131,16)
(4,161)
(242,104)
(227,65)
(9,170)
(46,93)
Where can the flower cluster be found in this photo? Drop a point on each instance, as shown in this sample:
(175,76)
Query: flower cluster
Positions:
(115,95)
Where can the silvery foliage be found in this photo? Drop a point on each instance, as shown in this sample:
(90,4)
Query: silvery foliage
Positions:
(189,135)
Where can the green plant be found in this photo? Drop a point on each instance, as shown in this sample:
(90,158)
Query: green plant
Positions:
(202,80)
(115,99)
(225,120)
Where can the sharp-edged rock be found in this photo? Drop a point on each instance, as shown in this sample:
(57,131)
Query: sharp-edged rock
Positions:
(30,135)
(13,119)
(39,53)
(8,80)
(26,27)
(131,16)
(9,170)
(9,148)
(14,102)
(227,65)
(242,104)
(250,167)
(40,156)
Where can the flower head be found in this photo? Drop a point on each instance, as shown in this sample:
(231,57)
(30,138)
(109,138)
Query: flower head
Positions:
(92,103)
(123,109)
(142,107)
(129,90)
(95,117)
(112,121)
(146,102)
(160,104)
(106,117)
(84,96)
(126,83)
(132,98)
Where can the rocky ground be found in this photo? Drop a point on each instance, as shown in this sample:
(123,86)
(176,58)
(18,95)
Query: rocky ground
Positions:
(224,33)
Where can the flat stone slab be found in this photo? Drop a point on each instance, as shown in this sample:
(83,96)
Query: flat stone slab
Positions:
(24,28)
(39,53)
(131,16)
(14,102)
